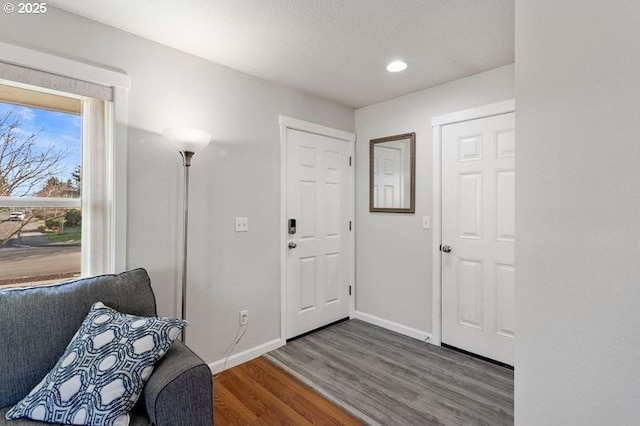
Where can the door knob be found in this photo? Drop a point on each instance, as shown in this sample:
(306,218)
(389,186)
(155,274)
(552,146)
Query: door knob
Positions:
(447,249)
(292,245)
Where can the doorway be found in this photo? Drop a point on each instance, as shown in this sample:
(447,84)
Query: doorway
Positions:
(474,257)
(317,226)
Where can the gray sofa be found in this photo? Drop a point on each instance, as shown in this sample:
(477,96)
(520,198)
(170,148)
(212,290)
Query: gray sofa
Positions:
(37,323)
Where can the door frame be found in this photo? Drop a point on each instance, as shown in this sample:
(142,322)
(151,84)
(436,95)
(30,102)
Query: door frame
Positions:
(348,137)
(437,123)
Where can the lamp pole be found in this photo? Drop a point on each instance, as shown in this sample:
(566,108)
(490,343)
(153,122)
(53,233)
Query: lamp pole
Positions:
(186,163)
(188,141)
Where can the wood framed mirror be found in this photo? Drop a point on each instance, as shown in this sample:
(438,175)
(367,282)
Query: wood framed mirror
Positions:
(392,174)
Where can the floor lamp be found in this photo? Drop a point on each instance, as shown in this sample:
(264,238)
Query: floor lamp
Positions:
(187,142)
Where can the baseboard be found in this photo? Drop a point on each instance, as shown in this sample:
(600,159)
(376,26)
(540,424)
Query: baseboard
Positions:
(247,355)
(256,351)
(393,326)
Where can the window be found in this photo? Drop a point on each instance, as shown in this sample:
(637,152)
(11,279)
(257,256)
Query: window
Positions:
(40,170)
(48,142)
(71,205)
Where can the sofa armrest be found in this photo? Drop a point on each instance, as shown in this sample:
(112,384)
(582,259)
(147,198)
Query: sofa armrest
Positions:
(180,390)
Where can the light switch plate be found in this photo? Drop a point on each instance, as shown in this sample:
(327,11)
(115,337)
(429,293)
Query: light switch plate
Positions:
(426,222)
(242,224)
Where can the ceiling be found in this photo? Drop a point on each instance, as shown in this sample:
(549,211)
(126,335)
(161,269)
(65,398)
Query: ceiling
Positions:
(336,49)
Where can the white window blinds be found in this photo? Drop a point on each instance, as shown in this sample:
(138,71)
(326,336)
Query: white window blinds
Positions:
(60,83)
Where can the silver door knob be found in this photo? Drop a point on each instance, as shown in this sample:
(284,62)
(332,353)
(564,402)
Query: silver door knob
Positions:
(292,245)
(447,249)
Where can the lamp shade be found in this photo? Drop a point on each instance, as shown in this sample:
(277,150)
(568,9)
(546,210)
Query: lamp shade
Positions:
(187,139)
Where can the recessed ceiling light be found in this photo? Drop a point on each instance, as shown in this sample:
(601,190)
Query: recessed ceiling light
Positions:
(397,66)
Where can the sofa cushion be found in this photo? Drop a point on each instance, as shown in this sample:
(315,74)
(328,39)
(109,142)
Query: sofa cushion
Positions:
(37,323)
(102,372)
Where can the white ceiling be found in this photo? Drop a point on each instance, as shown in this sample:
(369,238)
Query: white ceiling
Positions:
(337,49)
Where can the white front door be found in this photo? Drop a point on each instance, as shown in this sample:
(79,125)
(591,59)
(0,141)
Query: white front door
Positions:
(478,209)
(319,252)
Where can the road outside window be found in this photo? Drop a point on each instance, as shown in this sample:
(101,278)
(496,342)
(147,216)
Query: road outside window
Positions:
(44,246)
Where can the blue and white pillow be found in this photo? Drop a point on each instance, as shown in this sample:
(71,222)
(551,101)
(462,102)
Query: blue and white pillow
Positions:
(102,372)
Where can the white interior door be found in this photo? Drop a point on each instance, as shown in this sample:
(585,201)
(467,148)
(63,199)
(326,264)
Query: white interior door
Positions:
(478,188)
(319,252)
(387,188)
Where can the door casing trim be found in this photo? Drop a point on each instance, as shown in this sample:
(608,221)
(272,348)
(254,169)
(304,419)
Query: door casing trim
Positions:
(437,123)
(305,126)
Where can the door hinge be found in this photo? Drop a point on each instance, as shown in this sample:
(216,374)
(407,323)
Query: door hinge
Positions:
(349,161)
(349,225)
(349,290)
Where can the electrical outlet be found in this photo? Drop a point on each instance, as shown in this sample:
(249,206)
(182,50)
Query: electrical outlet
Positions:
(244,317)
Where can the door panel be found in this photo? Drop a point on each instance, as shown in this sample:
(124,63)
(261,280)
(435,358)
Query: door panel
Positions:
(478,209)
(318,191)
(469,291)
(470,202)
(505,288)
(505,205)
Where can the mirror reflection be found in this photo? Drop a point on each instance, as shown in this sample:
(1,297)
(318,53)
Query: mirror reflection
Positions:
(392,174)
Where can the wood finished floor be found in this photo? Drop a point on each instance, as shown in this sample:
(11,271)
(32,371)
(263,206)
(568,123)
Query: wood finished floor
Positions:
(391,379)
(260,393)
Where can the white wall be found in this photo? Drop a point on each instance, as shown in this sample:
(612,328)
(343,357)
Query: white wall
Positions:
(238,175)
(393,252)
(578,213)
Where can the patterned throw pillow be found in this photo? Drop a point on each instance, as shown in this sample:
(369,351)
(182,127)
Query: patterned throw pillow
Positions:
(103,370)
